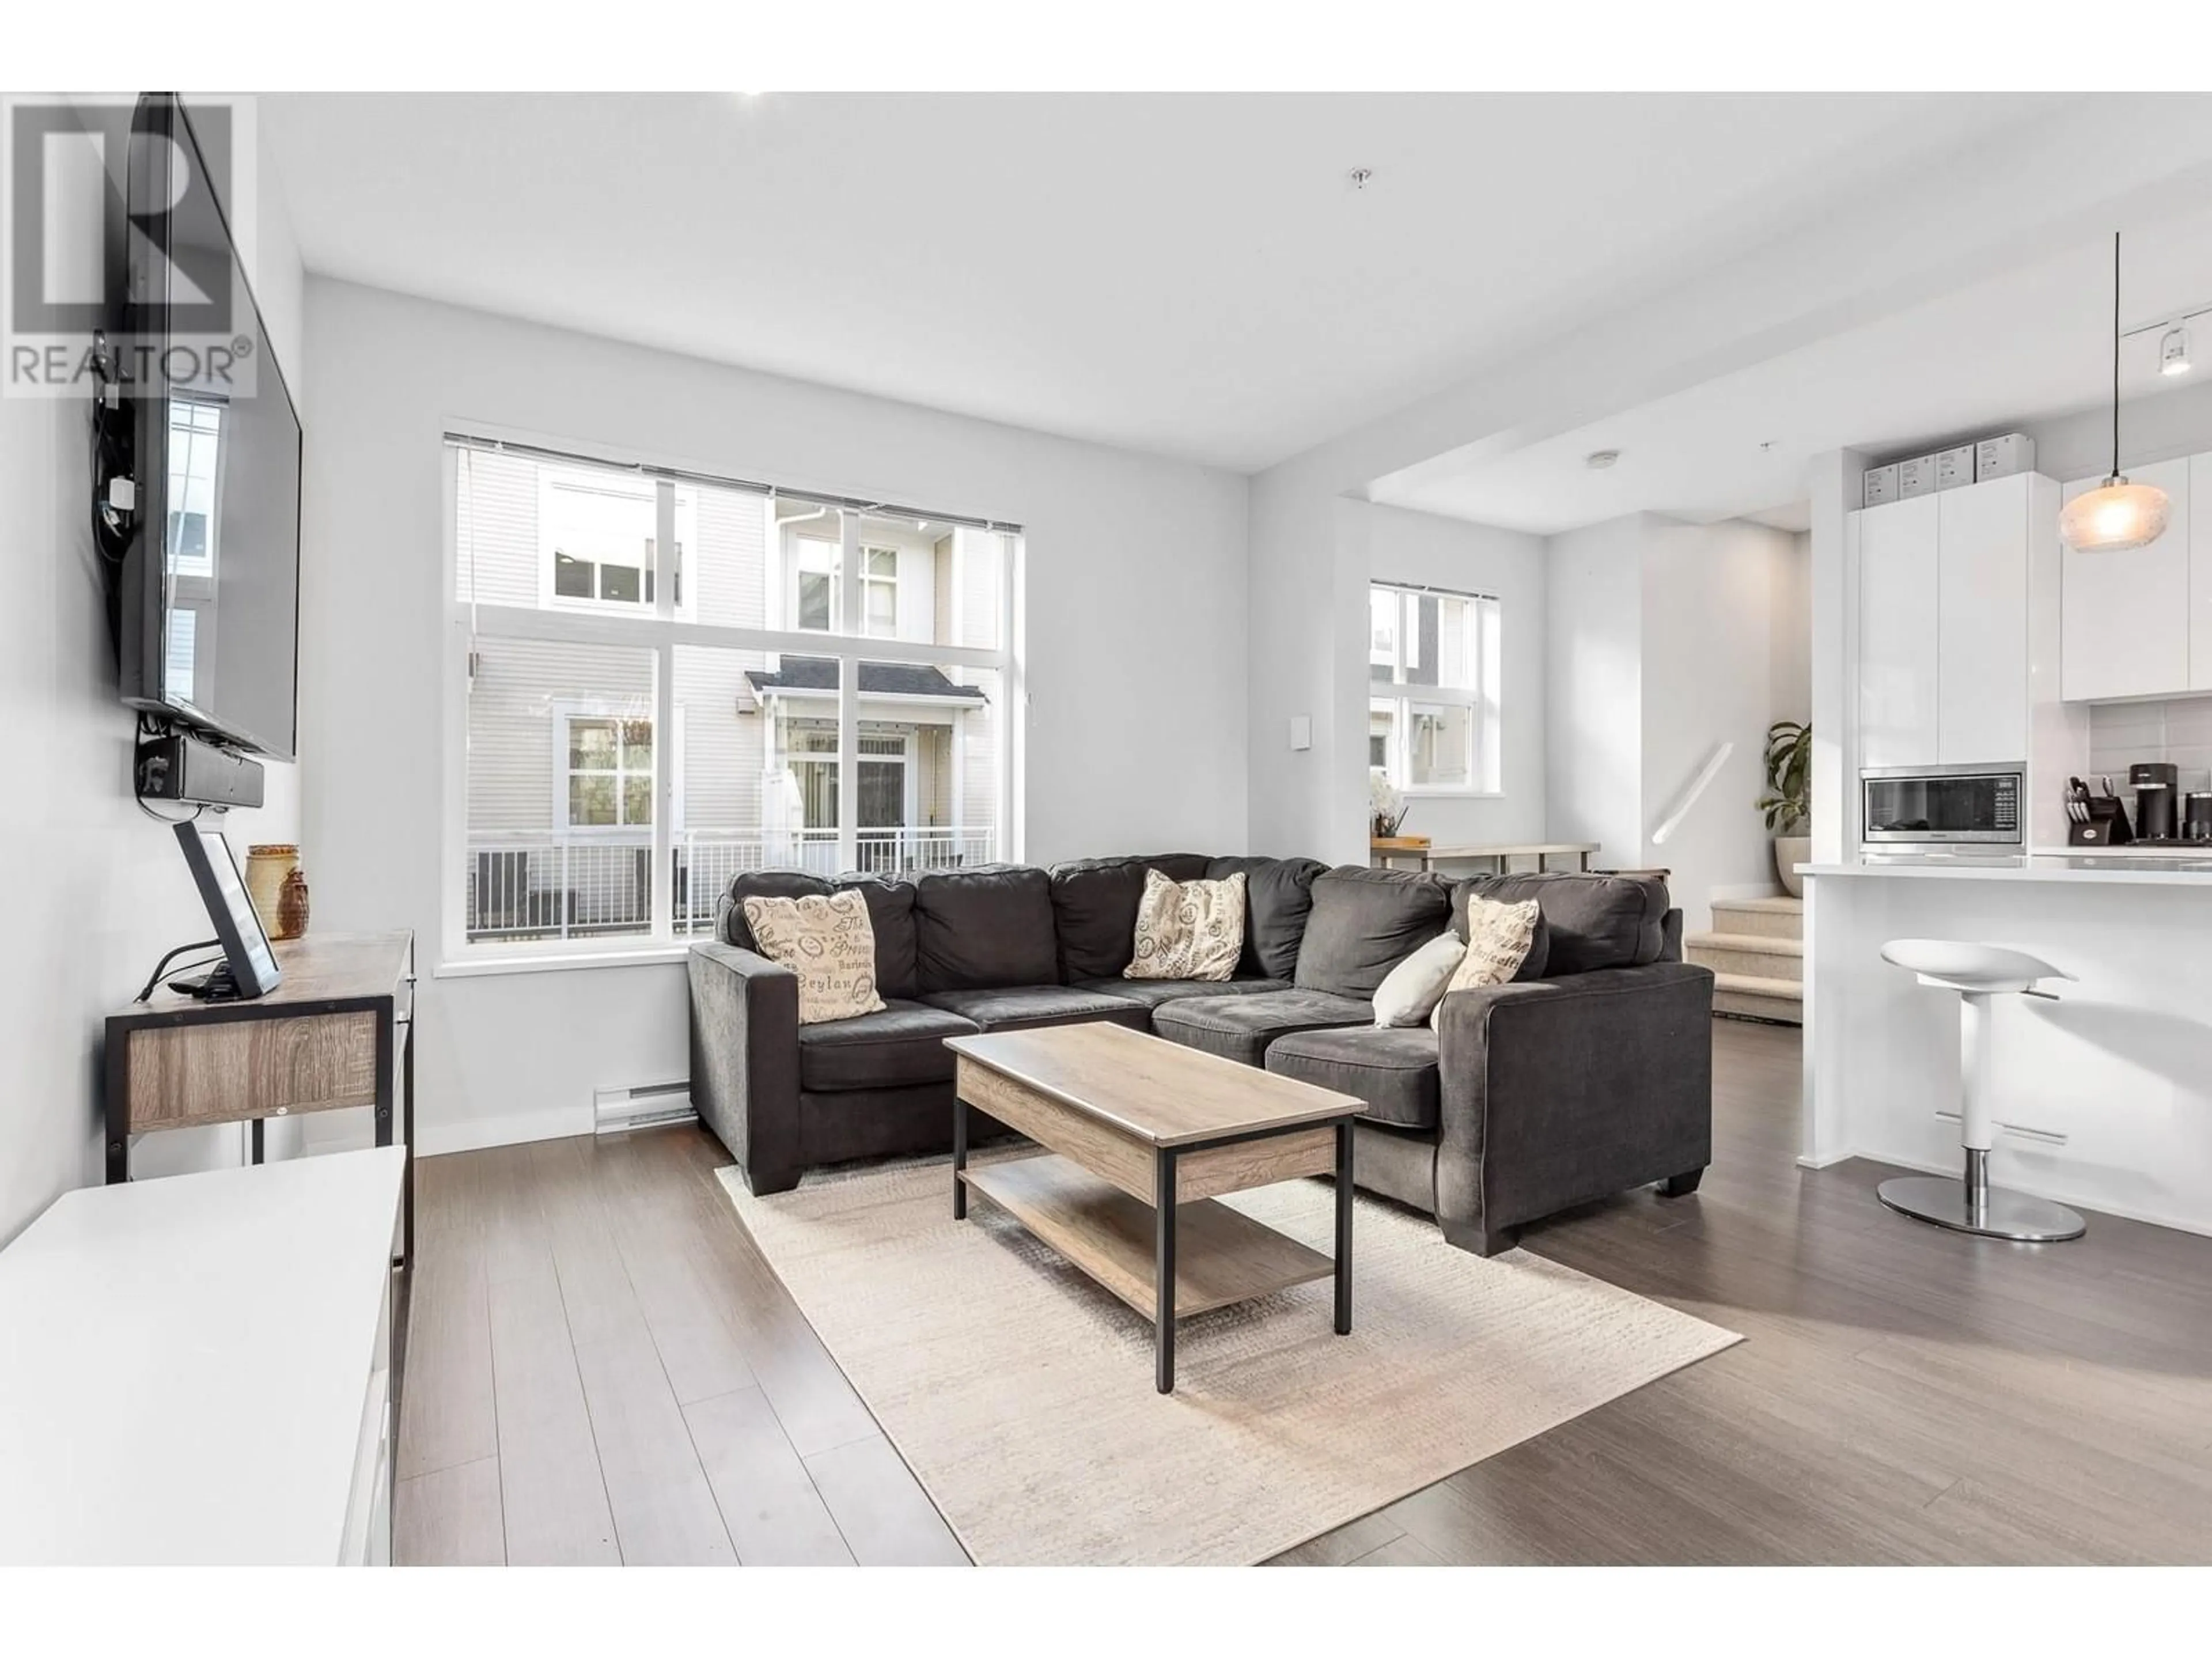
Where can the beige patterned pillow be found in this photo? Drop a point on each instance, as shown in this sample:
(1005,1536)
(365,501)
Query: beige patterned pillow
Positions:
(1498,939)
(828,942)
(1188,929)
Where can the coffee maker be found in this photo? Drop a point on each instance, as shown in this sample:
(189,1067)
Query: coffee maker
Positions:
(2157,785)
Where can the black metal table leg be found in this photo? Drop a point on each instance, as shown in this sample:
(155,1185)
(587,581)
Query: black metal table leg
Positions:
(118,1112)
(1344,1228)
(256,1154)
(1163,1266)
(959,1158)
(386,1041)
(407,1194)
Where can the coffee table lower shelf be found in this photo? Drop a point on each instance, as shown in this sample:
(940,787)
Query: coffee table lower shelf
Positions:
(1222,1255)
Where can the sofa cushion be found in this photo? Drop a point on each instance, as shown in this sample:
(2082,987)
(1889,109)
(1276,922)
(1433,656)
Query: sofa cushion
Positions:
(1392,1067)
(1188,929)
(729,912)
(826,941)
(1278,899)
(903,1044)
(1152,993)
(1590,921)
(989,926)
(1500,940)
(1240,1028)
(1094,909)
(890,914)
(1364,922)
(1014,1007)
(1410,991)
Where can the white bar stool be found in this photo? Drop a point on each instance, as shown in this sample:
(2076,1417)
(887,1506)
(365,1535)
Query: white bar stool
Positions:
(1977,973)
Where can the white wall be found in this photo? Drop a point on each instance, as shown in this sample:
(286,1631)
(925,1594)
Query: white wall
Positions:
(2155,428)
(1593,666)
(99,891)
(1421,548)
(1663,643)
(1709,609)
(1135,641)
(1791,640)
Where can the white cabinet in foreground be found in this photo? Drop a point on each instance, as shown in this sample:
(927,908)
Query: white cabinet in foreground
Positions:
(199,1370)
(1897,608)
(1943,622)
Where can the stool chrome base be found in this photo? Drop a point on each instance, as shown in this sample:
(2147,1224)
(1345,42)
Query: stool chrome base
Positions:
(1988,1212)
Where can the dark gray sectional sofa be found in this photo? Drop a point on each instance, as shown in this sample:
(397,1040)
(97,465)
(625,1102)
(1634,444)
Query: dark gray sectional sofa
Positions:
(1590,1073)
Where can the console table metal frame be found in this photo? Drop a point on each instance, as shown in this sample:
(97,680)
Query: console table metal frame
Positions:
(382,986)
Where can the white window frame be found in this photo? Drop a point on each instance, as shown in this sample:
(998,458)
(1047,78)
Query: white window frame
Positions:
(869,580)
(637,488)
(659,628)
(566,712)
(1481,699)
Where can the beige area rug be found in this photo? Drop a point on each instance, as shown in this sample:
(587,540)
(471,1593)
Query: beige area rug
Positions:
(1021,1394)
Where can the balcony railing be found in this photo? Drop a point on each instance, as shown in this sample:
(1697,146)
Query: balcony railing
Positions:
(542,886)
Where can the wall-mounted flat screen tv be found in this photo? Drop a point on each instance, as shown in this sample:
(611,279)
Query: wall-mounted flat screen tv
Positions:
(209,624)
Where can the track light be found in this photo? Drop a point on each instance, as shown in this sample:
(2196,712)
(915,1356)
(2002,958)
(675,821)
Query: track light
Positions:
(2173,352)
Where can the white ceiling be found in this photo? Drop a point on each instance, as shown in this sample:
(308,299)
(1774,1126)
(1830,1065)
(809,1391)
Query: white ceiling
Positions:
(2018,349)
(1191,275)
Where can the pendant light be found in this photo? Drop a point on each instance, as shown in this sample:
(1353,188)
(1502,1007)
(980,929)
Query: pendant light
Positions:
(2116,515)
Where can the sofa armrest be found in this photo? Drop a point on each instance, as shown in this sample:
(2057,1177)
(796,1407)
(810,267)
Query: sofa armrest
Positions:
(744,1060)
(1558,1091)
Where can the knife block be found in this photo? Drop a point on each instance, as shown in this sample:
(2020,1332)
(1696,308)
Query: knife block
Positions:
(2107,825)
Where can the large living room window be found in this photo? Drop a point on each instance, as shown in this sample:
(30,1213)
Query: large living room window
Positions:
(796,682)
(1432,659)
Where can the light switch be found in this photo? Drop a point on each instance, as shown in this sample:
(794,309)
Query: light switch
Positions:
(1301,730)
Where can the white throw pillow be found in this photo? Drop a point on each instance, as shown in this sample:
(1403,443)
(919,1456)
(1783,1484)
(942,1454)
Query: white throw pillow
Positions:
(1498,939)
(830,943)
(1410,991)
(1188,929)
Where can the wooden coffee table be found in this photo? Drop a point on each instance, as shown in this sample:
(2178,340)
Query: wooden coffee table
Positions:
(1143,1135)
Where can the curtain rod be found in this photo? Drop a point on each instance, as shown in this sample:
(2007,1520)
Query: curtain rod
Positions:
(1424,587)
(677,475)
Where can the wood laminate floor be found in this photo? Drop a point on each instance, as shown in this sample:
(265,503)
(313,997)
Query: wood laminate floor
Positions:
(602,1369)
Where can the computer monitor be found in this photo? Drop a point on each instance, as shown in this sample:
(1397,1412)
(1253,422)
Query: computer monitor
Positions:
(252,964)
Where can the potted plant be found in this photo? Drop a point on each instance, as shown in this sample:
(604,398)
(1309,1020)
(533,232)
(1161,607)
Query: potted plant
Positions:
(1787,805)
(1386,806)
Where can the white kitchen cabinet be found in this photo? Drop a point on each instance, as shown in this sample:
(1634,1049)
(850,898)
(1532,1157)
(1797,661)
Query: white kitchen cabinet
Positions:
(2128,623)
(1899,608)
(1981,652)
(2200,572)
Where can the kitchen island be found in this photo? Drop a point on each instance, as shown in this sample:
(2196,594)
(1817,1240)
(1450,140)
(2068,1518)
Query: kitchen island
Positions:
(2104,1096)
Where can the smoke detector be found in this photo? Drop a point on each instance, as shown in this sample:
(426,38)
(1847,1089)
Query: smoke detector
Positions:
(1598,459)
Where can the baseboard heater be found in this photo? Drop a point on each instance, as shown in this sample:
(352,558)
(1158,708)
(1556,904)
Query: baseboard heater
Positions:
(645,1106)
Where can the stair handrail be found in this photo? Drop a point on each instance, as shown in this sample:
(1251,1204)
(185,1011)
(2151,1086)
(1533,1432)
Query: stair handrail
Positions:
(1688,799)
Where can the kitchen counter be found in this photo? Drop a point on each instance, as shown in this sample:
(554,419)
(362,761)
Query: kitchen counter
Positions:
(2134,868)
(2104,1095)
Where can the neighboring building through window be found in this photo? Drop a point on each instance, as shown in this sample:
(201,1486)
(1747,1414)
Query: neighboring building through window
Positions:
(635,730)
(1433,713)
(608,774)
(597,537)
(815,606)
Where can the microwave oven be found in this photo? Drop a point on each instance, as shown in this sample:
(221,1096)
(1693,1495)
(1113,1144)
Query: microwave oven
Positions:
(1941,805)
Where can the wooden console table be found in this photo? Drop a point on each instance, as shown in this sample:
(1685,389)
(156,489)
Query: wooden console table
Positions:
(338,1030)
(1499,855)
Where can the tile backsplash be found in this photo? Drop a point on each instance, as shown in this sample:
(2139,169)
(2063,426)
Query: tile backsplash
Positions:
(2179,730)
